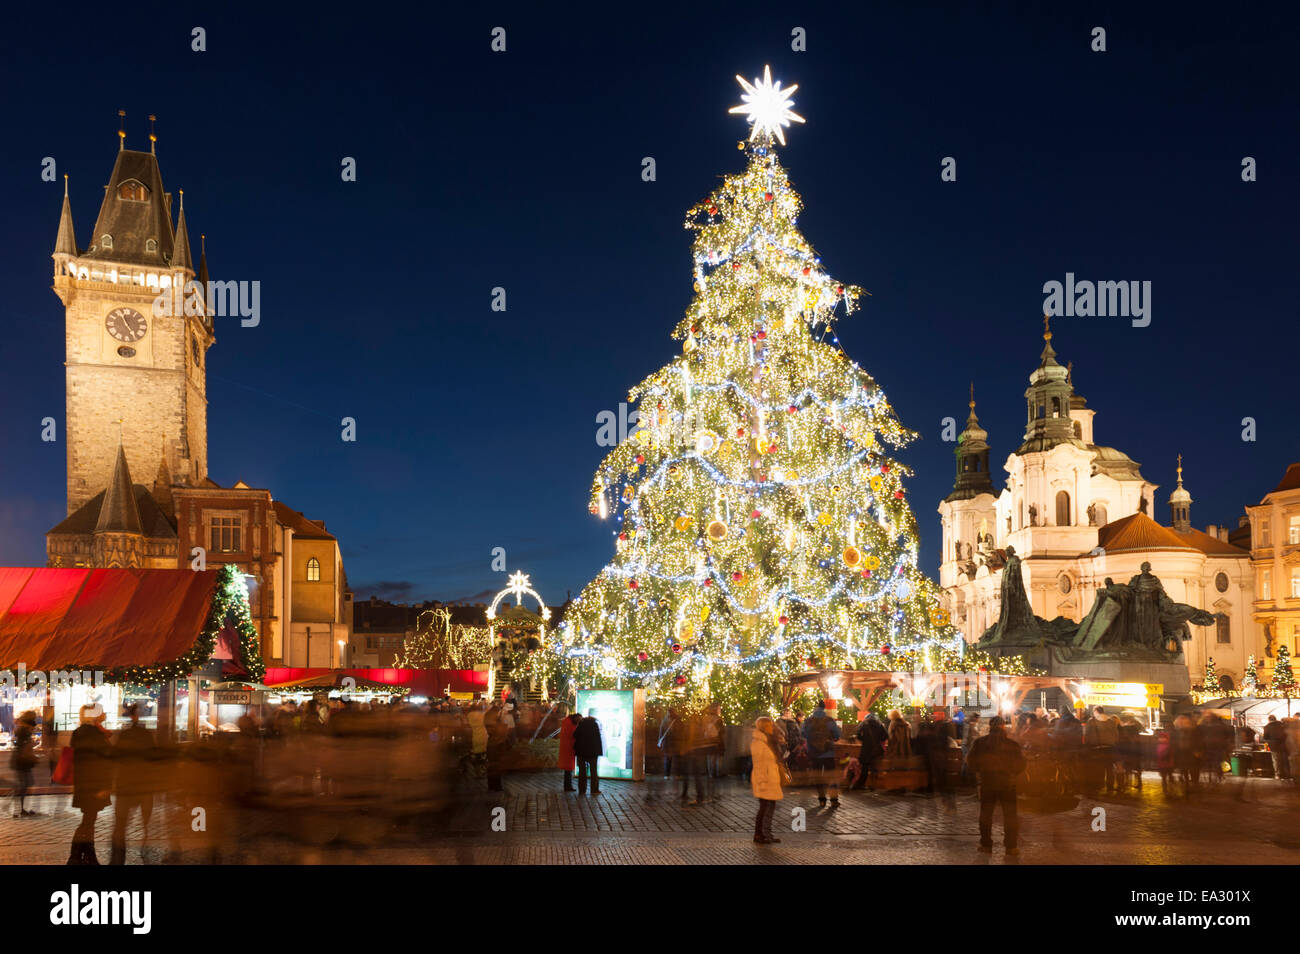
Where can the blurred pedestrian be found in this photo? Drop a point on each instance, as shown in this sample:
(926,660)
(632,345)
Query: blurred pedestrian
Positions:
(1274,736)
(668,734)
(766,777)
(715,739)
(1100,736)
(998,761)
(567,758)
(873,736)
(690,758)
(132,781)
(587,748)
(92,780)
(1129,751)
(900,737)
(23,759)
(821,732)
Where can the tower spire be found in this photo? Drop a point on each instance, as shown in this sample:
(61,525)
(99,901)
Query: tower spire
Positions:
(65,243)
(181,249)
(1180,503)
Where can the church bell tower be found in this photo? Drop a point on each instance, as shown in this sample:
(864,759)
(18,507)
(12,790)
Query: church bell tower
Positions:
(128,362)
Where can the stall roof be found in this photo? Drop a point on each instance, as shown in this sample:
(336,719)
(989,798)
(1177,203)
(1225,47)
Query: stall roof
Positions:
(421,682)
(59,619)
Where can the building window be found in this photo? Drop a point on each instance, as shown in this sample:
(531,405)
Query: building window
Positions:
(1265,534)
(1062,509)
(133,190)
(1223,631)
(225,535)
(1266,584)
(313,570)
(106,241)
(1078,431)
(1295,583)
(1293,530)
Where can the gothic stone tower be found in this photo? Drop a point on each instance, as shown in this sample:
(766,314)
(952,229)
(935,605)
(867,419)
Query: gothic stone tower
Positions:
(124,363)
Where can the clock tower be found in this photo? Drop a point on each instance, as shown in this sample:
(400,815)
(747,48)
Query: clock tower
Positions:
(134,373)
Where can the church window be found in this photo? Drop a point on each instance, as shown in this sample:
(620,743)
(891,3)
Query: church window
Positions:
(1223,628)
(225,534)
(151,245)
(1063,509)
(313,570)
(1042,409)
(133,190)
(1056,407)
(106,240)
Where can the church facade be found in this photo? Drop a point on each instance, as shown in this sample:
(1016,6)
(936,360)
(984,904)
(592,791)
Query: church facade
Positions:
(136,405)
(1080,515)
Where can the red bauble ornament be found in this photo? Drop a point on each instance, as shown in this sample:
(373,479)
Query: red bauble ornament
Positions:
(632,584)
(884,468)
(762,335)
(807,271)
(793,409)
(755,514)
(642,656)
(709,581)
(898,494)
(737,576)
(984,668)
(640,458)
(783,620)
(865,574)
(740,432)
(713,210)
(839,289)
(677,647)
(735,266)
(767,197)
(622,536)
(681,680)
(885,650)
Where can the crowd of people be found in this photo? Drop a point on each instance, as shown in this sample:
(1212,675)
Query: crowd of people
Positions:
(390,762)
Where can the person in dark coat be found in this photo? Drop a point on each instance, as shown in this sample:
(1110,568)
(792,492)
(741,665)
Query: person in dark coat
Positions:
(22,759)
(873,736)
(587,747)
(567,761)
(998,761)
(821,732)
(133,767)
(92,781)
(1274,736)
(669,733)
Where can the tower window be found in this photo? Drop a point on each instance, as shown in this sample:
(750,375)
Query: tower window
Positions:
(106,241)
(313,570)
(1056,407)
(133,190)
(225,534)
(1078,430)
(1063,509)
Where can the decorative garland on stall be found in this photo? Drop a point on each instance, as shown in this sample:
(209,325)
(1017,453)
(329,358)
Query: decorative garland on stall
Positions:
(229,600)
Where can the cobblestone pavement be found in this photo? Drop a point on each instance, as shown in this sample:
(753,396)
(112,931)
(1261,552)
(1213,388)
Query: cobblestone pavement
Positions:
(1234,822)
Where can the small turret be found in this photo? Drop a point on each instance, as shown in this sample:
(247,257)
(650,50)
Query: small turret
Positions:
(1180,503)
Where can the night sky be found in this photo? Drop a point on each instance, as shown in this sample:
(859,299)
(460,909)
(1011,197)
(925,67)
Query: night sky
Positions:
(476,169)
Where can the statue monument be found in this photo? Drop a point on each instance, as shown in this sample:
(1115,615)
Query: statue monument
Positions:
(1134,632)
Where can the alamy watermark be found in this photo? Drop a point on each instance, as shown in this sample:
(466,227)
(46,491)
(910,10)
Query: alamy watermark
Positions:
(1087,299)
(231,299)
(23,680)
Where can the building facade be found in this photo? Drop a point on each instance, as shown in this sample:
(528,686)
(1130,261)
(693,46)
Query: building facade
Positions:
(1078,512)
(1275,564)
(136,398)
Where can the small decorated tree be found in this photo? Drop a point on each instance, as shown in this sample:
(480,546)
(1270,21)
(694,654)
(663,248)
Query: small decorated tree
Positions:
(1283,678)
(1211,681)
(1250,681)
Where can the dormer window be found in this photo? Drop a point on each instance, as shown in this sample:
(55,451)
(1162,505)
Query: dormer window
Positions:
(106,241)
(134,190)
(151,245)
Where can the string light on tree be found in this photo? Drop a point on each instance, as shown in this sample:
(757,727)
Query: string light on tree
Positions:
(759,519)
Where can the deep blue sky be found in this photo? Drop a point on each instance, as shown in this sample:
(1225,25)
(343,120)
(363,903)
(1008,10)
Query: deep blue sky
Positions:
(477,429)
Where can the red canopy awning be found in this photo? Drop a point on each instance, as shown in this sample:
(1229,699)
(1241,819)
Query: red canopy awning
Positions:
(52,619)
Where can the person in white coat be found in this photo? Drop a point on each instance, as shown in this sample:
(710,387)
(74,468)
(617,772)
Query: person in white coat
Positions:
(766,777)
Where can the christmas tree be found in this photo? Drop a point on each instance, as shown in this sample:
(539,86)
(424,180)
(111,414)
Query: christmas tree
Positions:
(1250,681)
(1283,677)
(1211,681)
(762,527)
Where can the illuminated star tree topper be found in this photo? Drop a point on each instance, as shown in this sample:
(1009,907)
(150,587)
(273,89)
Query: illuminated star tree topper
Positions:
(767,106)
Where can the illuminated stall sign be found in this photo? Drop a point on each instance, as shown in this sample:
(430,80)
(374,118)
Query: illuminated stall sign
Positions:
(621,716)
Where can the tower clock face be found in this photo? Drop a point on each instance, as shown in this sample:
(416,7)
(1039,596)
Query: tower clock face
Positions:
(126,324)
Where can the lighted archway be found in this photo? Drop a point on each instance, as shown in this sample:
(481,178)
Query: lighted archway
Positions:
(518,587)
